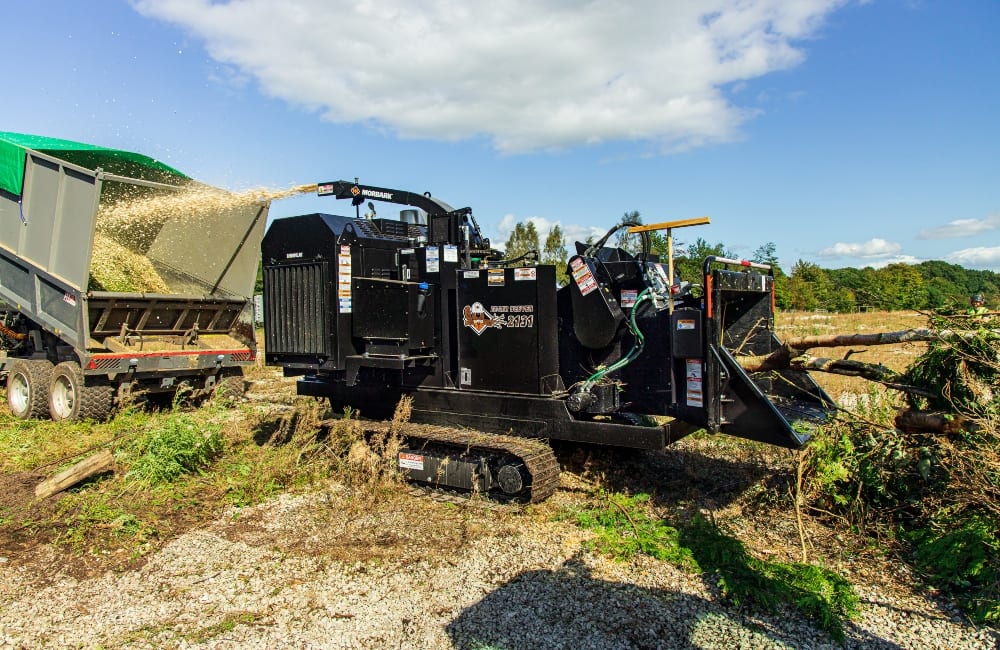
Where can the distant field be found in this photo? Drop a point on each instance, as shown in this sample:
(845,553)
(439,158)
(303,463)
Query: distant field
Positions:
(897,357)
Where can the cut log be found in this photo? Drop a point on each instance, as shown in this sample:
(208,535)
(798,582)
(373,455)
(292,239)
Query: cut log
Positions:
(914,421)
(69,477)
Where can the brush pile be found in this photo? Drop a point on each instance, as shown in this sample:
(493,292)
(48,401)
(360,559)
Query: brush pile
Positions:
(938,486)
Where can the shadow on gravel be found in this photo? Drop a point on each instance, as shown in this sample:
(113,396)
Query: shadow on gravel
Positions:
(670,476)
(567,608)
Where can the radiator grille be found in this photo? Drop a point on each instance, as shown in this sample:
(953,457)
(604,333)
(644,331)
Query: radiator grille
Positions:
(297,309)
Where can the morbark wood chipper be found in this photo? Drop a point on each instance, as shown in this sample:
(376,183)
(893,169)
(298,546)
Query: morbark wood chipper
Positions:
(498,360)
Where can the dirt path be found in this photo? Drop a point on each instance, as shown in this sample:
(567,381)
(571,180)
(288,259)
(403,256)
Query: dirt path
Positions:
(335,569)
(338,568)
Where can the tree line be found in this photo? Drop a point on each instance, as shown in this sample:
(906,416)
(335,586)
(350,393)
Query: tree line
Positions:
(931,285)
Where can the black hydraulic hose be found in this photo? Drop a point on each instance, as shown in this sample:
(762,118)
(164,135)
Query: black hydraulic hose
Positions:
(644,236)
(532,254)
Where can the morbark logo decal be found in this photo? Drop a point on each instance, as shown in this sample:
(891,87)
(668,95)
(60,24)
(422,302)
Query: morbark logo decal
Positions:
(476,318)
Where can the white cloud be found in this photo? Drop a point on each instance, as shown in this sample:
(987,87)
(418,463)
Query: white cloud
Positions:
(980,257)
(896,259)
(572,233)
(962,228)
(871,249)
(544,74)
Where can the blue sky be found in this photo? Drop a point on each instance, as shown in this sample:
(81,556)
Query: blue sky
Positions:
(847,133)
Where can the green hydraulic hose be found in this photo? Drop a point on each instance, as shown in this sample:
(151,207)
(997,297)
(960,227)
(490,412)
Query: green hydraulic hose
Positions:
(632,354)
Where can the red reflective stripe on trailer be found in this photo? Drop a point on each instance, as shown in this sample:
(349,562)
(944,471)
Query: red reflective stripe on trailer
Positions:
(171,353)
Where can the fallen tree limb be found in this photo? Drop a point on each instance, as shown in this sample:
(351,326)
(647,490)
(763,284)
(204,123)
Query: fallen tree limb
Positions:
(86,468)
(880,338)
(794,348)
(782,359)
(871,371)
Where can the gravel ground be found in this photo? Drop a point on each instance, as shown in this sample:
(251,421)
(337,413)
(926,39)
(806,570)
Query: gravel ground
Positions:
(270,576)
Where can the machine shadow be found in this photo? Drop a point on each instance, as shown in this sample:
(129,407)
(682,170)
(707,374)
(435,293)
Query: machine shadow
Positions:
(568,608)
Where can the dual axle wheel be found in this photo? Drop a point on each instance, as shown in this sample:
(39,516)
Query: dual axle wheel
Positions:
(36,388)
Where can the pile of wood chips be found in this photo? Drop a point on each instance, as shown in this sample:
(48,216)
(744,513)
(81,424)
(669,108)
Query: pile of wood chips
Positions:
(128,227)
(115,268)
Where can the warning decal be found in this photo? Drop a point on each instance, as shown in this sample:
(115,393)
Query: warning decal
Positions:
(582,276)
(411,461)
(694,386)
(344,279)
(432,259)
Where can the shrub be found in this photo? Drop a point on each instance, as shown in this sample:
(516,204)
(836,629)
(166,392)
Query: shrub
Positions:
(177,445)
(941,490)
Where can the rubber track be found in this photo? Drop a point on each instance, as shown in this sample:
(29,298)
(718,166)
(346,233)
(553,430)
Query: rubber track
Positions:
(536,455)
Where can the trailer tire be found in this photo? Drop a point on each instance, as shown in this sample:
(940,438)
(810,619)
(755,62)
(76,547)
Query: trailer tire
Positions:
(72,397)
(230,389)
(28,388)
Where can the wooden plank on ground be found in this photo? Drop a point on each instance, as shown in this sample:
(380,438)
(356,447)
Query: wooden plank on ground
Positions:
(69,477)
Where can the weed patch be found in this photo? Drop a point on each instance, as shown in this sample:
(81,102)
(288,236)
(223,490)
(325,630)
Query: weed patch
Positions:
(176,445)
(88,521)
(960,555)
(819,593)
(227,624)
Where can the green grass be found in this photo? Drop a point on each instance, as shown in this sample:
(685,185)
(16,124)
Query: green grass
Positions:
(173,469)
(623,527)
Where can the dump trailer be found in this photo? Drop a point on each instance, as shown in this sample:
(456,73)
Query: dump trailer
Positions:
(71,347)
(498,360)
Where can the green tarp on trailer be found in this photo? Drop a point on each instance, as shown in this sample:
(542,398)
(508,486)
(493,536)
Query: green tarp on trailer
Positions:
(115,161)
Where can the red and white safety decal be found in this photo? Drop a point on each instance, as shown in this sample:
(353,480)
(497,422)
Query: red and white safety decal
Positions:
(344,279)
(695,397)
(583,277)
(411,461)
